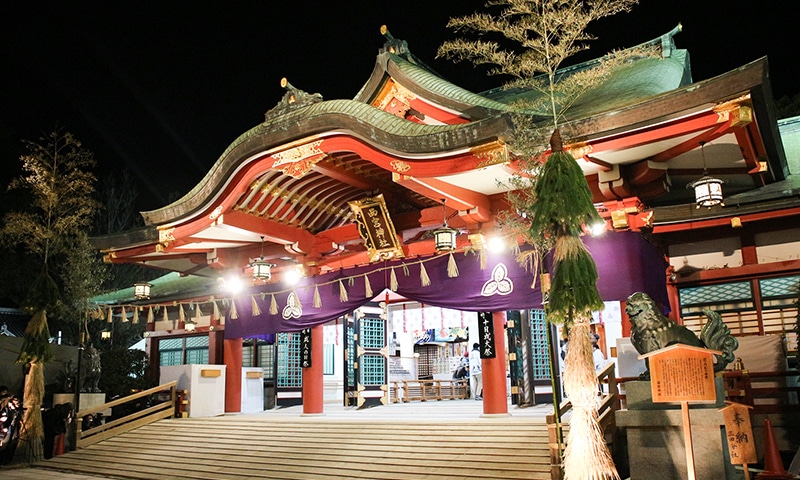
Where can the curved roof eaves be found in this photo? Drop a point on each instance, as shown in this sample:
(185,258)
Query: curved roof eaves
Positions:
(442,88)
(364,121)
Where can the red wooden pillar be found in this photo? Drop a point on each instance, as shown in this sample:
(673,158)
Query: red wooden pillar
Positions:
(495,393)
(216,347)
(672,295)
(313,383)
(233,375)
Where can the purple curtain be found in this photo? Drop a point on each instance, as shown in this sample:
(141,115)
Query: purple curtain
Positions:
(626,263)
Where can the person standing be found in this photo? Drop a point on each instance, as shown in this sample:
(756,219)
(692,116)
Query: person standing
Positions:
(475,381)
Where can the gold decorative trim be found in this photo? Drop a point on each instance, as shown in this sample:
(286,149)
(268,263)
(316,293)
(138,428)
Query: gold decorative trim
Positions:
(395,99)
(166,235)
(216,213)
(490,154)
(299,160)
(400,166)
(578,150)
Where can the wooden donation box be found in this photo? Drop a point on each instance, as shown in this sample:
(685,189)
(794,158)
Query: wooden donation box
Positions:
(205,385)
(252,390)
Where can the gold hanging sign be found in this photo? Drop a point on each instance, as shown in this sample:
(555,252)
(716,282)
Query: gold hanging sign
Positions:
(376,228)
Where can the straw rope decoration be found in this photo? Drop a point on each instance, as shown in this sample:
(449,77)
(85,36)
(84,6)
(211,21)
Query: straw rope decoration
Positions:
(197,314)
(181,314)
(452,267)
(122,313)
(393,280)
(367,287)
(344,283)
(273,305)
(580,386)
(424,279)
(317,298)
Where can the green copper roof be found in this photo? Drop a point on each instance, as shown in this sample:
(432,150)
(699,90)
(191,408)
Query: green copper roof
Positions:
(163,288)
(431,82)
(790,135)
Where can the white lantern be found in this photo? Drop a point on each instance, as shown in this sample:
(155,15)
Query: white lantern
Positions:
(707,189)
(141,290)
(444,238)
(262,269)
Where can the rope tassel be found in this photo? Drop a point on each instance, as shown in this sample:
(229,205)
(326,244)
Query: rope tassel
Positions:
(367,287)
(317,298)
(273,305)
(342,292)
(256,308)
(424,279)
(452,267)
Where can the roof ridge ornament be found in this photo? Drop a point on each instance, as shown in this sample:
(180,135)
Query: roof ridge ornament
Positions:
(394,45)
(293,99)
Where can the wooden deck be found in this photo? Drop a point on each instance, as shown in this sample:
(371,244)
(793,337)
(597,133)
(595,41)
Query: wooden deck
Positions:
(446,440)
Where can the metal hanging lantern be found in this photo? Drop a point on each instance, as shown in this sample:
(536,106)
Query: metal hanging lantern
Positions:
(445,237)
(141,290)
(707,189)
(262,269)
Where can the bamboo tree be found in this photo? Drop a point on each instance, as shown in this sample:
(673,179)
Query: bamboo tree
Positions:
(53,231)
(552,194)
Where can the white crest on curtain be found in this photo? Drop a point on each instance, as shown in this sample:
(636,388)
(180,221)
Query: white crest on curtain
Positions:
(499,284)
(292,308)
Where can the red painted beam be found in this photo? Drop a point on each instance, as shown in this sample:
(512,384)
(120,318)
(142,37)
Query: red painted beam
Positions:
(717,222)
(456,197)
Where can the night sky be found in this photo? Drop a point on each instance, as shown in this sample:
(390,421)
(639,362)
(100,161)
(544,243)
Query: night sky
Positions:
(162,88)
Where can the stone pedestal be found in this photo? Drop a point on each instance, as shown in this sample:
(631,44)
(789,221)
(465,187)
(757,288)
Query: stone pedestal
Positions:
(655,437)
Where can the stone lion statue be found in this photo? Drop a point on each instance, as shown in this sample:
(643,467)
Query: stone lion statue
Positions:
(652,331)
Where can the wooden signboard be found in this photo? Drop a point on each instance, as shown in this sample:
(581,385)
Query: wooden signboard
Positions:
(305,348)
(376,228)
(739,432)
(682,373)
(486,334)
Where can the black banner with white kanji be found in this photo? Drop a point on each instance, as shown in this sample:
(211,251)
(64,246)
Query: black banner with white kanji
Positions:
(486,334)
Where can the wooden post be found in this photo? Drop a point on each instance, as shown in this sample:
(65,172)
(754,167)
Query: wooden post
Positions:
(313,376)
(687,441)
(495,392)
(233,374)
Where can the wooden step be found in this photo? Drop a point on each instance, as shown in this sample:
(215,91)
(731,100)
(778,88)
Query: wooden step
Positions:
(305,448)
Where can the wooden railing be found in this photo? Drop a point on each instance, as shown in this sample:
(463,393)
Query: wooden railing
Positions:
(608,404)
(422,390)
(770,394)
(170,406)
